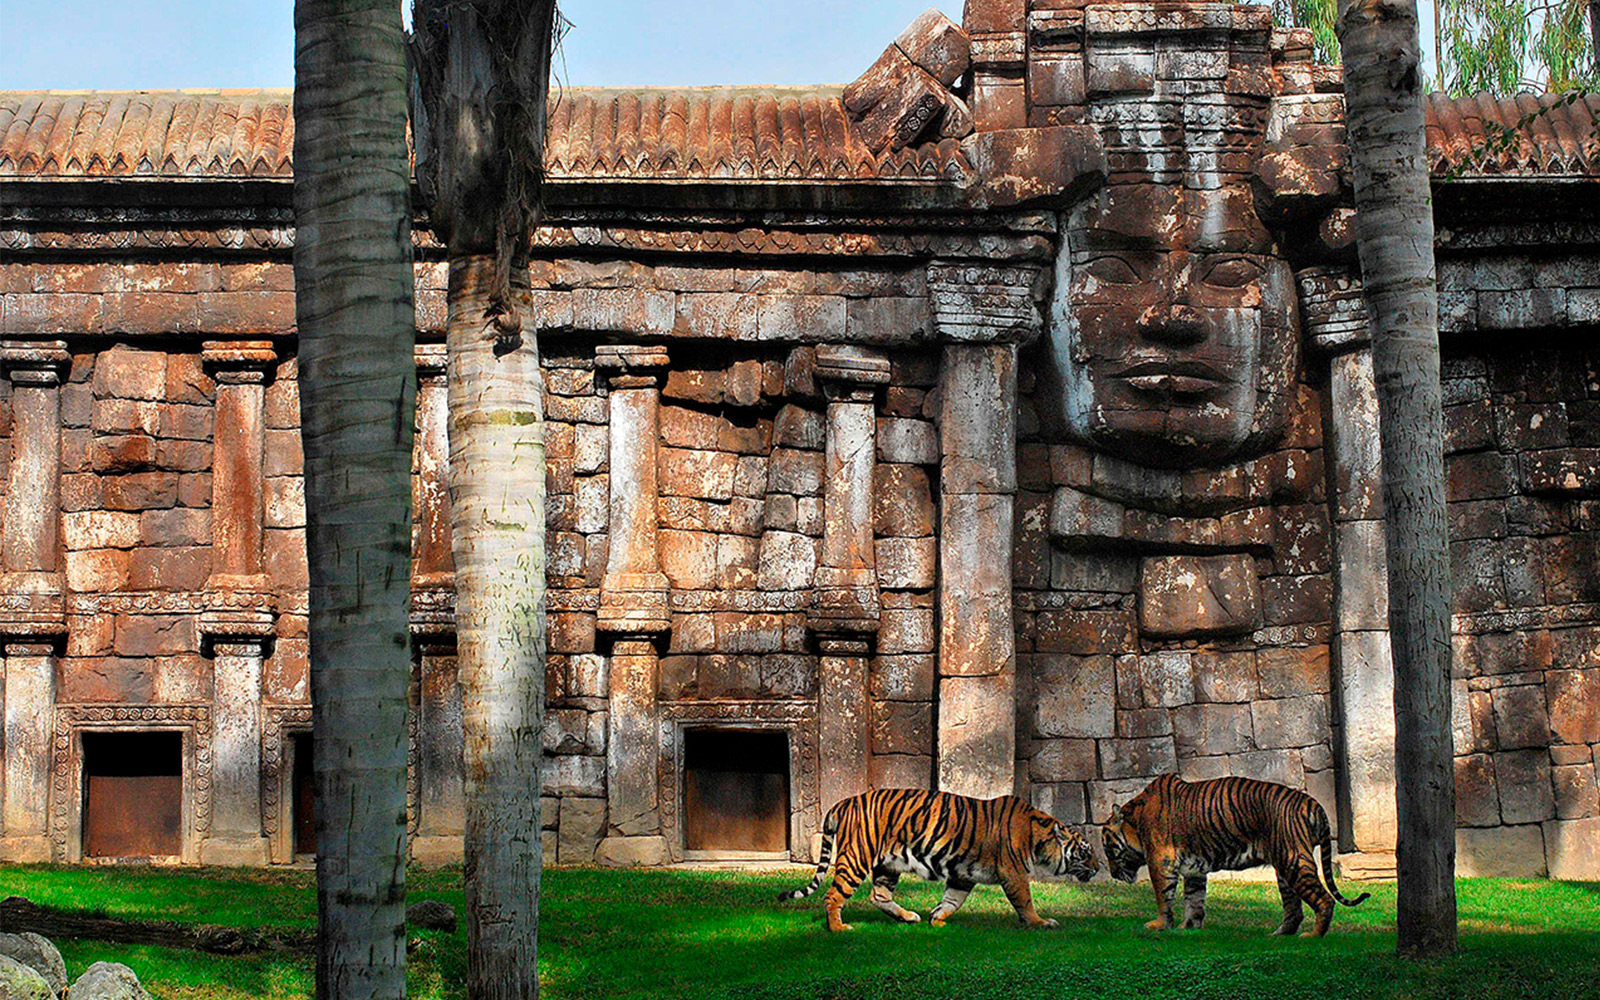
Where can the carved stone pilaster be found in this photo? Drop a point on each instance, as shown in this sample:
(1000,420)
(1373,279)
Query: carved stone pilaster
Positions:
(633,603)
(237,638)
(977,646)
(432,563)
(241,369)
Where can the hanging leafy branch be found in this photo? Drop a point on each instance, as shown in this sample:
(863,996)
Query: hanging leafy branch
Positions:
(1506,47)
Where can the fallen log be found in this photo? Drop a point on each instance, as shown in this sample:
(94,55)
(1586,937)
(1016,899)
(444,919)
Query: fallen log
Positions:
(18,914)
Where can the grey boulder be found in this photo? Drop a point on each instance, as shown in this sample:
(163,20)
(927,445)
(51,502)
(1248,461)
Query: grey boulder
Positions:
(21,982)
(107,981)
(38,954)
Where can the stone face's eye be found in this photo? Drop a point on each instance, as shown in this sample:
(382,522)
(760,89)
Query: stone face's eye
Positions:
(1111,270)
(1232,272)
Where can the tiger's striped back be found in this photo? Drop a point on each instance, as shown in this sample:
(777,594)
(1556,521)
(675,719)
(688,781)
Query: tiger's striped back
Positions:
(941,836)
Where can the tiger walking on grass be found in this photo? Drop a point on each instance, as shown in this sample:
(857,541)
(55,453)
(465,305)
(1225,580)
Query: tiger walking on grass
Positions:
(1186,830)
(941,836)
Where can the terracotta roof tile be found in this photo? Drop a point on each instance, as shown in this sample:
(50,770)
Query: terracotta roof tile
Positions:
(1550,140)
(772,134)
(709,134)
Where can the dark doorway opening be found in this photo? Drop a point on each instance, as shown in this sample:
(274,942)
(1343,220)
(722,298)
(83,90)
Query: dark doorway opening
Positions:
(736,791)
(303,796)
(132,795)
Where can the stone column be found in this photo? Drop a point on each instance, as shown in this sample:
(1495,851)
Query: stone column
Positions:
(1336,321)
(238,625)
(432,564)
(633,607)
(981,312)
(32,615)
(240,369)
(238,639)
(846,608)
(440,815)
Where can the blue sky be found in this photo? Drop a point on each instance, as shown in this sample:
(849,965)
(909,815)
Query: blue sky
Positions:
(158,44)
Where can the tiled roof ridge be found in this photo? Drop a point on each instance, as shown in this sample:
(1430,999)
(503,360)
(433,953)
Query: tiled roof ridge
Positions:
(779,133)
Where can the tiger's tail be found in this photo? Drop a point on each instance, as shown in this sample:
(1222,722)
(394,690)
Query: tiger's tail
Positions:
(830,831)
(1320,827)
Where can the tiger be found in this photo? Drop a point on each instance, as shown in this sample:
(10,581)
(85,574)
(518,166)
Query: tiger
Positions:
(947,837)
(1187,830)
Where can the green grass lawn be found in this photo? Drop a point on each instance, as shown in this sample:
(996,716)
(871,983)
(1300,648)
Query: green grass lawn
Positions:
(668,934)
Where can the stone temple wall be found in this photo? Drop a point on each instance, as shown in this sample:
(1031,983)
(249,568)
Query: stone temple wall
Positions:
(1002,422)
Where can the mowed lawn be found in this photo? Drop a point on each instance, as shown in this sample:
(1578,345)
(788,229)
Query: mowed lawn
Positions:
(670,934)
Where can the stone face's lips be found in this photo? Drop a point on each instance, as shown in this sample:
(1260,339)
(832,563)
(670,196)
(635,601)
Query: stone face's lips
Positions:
(1174,378)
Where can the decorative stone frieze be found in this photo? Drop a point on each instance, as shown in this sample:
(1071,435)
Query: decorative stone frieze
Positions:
(985,303)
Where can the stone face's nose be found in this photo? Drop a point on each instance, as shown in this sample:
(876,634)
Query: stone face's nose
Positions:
(1175,323)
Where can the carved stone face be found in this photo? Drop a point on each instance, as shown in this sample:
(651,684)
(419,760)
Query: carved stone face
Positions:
(1174,326)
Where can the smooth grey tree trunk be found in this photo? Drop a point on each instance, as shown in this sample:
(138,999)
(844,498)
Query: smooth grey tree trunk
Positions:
(353,281)
(497,471)
(1394,235)
(482,75)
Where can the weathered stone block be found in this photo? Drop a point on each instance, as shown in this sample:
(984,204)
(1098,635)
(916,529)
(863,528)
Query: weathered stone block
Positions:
(1211,730)
(977,734)
(1477,798)
(796,472)
(1575,793)
(100,529)
(902,727)
(1290,722)
(1229,677)
(1500,852)
(1573,849)
(1065,801)
(1083,633)
(583,823)
(938,45)
(1574,705)
(689,559)
(903,677)
(906,630)
(976,602)
(1131,758)
(1280,766)
(914,442)
(1167,679)
(902,501)
(788,561)
(1183,596)
(1523,777)
(1074,696)
(1520,717)
(1063,760)
(130,373)
(797,427)
(907,563)
(1076,516)
(704,474)
(893,770)
(1143,723)
(571,632)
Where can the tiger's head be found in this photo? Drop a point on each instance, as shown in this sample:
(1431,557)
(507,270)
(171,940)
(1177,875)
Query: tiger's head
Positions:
(1124,852)
(1060,852)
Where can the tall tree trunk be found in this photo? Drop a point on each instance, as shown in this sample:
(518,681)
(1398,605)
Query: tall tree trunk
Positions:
(353,282)
(1394,235)
(482,74)
(497,529)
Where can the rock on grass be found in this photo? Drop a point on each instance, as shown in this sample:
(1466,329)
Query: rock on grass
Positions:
(107,981)
(38,954)
(20,982)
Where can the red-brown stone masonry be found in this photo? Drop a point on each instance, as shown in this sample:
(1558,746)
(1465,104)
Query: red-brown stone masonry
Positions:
(1109,698)
(1523,455)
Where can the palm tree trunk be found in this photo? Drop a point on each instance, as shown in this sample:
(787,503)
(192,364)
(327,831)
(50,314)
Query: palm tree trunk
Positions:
(354,283)
(1394,235)
(497,532)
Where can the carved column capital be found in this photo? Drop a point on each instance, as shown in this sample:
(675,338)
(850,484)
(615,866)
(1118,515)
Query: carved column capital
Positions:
(237,626)
(431,362)
(632,366)
(1333,308)
(43,363)
(33,617)
(846,367)
(239,362)
(986,302)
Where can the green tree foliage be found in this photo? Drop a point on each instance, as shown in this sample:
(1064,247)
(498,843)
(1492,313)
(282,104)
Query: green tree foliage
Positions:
(1506,47)
(1318,15)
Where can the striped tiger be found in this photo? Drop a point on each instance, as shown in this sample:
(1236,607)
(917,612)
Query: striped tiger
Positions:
(1186,830)
(942,836)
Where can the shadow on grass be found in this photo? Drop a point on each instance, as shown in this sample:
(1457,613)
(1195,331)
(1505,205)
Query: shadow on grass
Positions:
(632,935)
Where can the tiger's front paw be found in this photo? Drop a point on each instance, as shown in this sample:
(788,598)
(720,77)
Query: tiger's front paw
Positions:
(843,927)
(934,921)
(1047,924)
(1158,924)
(908,917)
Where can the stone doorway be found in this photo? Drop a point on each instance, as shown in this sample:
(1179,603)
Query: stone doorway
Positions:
(303,795)
(132,794)
(736,792)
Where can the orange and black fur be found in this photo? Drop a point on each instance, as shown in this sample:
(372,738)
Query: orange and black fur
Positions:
(1184,830)
(941,836)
